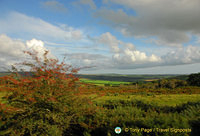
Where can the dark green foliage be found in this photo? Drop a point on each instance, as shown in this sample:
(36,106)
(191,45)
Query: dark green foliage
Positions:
(195,124)
(194,79)
(171,84)
(106,85)
(164,83)
(137,114)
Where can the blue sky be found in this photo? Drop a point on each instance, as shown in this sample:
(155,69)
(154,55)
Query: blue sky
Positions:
(109,36)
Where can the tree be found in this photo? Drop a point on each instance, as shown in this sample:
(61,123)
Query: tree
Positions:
(44,103)
(194,79)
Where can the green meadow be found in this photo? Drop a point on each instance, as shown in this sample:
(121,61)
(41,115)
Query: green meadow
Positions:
(157,100)
(102,82)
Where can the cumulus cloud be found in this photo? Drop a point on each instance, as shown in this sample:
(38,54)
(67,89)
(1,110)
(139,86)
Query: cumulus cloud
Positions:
(125,52)
(125,57)
(110,40)
(54,6)
(11,47)
(122,55)
(185,55)
(25,25)
(88,2)
(136,59)
(12,50)
(38,46)
(171,22)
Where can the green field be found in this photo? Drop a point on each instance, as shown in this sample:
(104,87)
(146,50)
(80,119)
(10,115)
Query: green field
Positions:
(157,100)
(102,82)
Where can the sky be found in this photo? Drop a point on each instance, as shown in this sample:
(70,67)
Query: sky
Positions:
(104,36)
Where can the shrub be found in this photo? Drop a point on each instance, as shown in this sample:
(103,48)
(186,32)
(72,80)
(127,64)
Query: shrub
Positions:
(43,103)
(171,83)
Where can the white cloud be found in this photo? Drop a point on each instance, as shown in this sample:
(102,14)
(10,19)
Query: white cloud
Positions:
(23,25)
(185,55)
(11,47)
(127,56)
(125,52)
(170,21)
(88,2)
(34,43)
(12,50)
(38,46)
(110,40)
(54,6)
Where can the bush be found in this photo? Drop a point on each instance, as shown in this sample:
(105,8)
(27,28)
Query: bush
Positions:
(171,83)
(44,103)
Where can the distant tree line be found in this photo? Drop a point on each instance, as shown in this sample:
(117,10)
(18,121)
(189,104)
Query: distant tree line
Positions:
(192,80)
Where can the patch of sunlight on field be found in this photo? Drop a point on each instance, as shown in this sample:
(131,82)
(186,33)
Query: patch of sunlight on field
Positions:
(159,100)
(102,82)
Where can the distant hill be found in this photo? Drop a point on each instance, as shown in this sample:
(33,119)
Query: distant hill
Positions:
(4,73)
(128,78)
(21,73)
(119,77)
(180,77)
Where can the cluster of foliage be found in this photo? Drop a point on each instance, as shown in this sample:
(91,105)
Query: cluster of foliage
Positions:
(44,103)
(164,83)
(171,83)
(194,79)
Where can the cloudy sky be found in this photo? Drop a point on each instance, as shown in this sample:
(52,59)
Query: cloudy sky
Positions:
(105,36)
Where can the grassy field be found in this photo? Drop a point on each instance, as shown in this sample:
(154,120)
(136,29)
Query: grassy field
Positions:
(157,100)
(97,110)
(102,82)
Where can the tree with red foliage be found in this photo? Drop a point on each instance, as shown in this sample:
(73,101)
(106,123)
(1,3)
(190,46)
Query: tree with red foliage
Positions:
(42,103)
